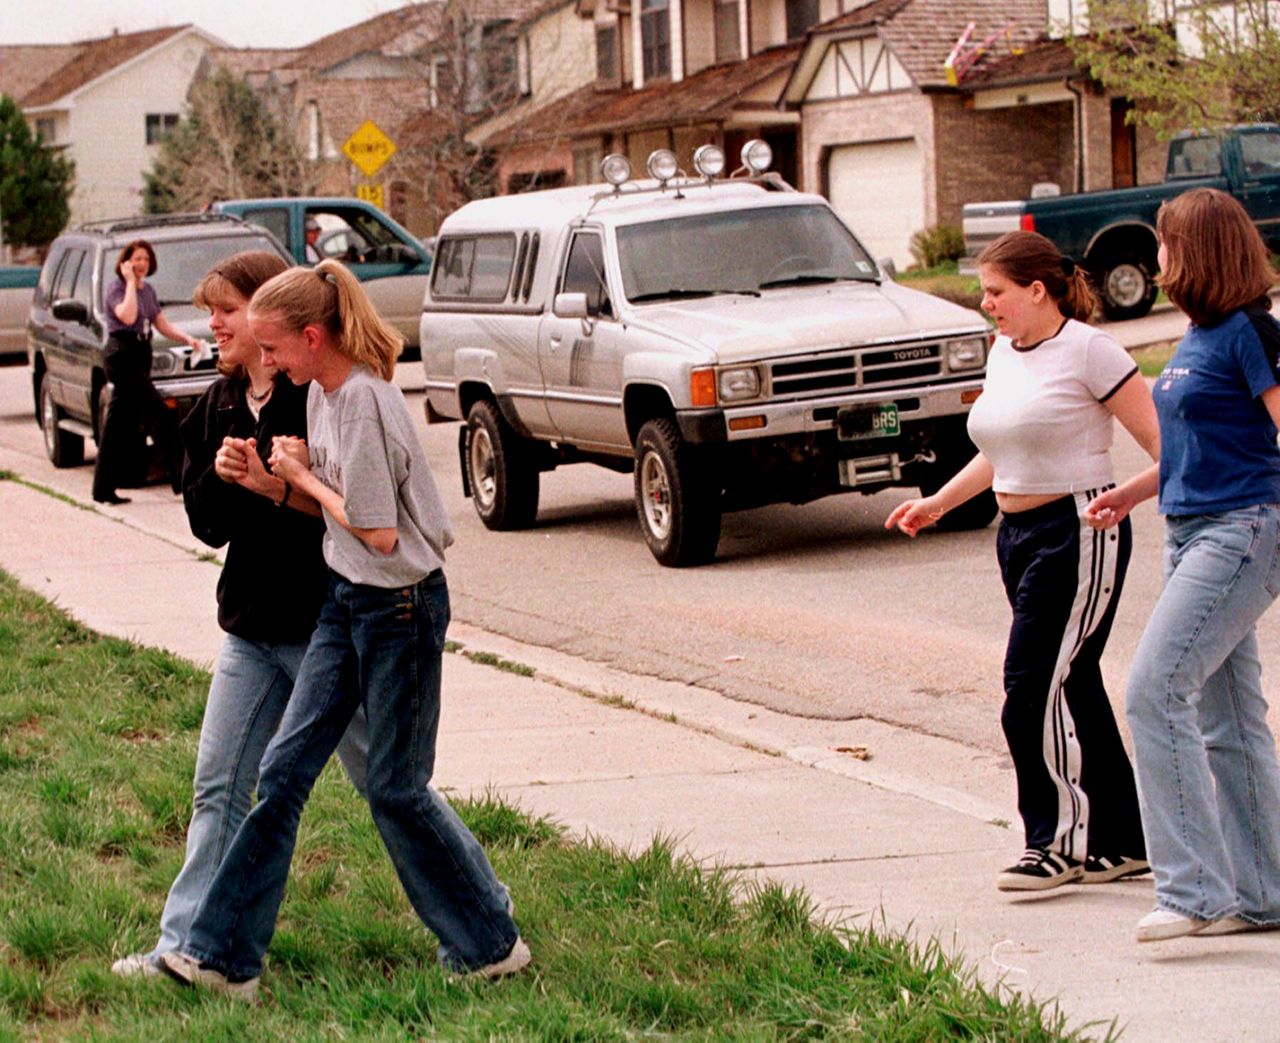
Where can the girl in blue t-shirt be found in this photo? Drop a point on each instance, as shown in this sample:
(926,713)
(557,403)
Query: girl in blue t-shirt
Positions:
(1206,759)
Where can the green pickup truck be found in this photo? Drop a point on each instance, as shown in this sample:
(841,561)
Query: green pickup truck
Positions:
(1112,234)
(388,259)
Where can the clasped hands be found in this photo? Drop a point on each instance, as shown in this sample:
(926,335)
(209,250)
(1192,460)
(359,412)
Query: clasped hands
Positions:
(238,462)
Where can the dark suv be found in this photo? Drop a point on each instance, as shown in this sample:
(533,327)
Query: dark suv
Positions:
(67,330)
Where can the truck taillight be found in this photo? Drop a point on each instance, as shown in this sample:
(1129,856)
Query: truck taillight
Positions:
(1027,223)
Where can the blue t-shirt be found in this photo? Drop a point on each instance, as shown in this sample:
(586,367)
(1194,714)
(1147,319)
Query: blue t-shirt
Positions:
(148,309)
(1218,446)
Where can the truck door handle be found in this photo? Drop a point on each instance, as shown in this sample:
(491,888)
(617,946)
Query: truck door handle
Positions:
(554,342)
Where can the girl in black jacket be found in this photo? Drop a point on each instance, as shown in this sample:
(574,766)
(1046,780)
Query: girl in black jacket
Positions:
(270,590)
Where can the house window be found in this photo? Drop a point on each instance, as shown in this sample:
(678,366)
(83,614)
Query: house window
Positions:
(501,66)
(441,82)
(728,43)
(607,53)
(655,38)
(586,165)
(47,130)
(159,124)
(802,15)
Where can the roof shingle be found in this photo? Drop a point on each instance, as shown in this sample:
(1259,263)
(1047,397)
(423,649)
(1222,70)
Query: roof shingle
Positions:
(91,59)
(708,94)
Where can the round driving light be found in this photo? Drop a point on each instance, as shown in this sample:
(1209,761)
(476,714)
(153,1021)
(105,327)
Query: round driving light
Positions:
(662,165)
(615,169)
(757,156)
(708,160)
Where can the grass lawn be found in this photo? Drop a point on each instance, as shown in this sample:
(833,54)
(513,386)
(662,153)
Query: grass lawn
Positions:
(944,280)
(97,750)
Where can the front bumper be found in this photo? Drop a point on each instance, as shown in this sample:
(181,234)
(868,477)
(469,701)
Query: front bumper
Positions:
(818,415)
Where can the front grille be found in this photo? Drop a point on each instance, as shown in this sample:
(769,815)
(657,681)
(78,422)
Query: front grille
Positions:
(856,369)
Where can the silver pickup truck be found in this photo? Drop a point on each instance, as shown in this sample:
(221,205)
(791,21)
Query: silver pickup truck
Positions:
(727,340)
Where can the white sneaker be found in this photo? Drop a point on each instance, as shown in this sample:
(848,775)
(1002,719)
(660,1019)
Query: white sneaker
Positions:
(137,965)
(513,963)
(1162,924)
(187,971)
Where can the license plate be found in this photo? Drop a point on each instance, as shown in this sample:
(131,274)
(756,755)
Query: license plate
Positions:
(854,423)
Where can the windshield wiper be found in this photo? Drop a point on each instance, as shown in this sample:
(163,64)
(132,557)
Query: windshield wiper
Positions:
(677,293)
(810,279)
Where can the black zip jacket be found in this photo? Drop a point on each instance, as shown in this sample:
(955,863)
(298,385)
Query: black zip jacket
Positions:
(275,578)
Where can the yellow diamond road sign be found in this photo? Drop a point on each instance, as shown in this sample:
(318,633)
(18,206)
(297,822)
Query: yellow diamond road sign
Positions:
(368,148)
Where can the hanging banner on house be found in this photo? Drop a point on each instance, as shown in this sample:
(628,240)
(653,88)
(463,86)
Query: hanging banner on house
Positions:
(369,148)
(371,194)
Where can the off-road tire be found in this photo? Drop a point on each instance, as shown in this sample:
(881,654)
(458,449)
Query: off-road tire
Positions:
(502,475)
(677,497)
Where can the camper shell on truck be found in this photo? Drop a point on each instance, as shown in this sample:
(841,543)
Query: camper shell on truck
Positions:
(728,341)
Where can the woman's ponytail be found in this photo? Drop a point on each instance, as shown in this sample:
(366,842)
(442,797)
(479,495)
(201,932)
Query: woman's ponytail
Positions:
(366,337)
(1079,301)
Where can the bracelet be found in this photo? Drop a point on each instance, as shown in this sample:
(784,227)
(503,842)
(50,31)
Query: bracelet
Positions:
(285,498)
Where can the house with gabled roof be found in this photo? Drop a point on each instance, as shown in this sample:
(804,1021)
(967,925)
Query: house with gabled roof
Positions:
(106,102)
(911,108)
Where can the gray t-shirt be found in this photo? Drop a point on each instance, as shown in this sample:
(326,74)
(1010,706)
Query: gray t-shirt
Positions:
(363,446)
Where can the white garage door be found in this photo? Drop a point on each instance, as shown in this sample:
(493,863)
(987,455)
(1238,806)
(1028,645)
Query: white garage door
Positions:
(879,191)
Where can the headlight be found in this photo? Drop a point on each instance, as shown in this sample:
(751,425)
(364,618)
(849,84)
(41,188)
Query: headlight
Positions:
(163,363)
(615,169)
(969,353)
(756,156)
(736,385)
(662,165)
(708,160)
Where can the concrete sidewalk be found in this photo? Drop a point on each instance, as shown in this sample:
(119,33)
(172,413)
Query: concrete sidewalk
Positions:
(914,833)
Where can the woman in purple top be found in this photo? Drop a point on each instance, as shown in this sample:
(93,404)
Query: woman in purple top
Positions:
(132,311)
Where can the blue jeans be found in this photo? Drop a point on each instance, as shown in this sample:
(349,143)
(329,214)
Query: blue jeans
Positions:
(251,685)
(391,643)
(1206,760)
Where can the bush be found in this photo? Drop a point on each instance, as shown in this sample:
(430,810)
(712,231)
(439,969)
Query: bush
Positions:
(931,246)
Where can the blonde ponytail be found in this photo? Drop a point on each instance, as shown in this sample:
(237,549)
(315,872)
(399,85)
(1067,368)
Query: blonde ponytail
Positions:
(330,297)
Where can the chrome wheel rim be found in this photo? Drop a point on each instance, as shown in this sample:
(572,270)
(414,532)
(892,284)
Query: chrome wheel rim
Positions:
(655,495)
(484,484)
(1126,284)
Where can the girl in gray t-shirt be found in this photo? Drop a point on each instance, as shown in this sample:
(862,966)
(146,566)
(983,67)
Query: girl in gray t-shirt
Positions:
(378,643)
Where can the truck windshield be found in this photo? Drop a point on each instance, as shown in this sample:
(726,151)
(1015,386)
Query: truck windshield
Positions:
(182,263)
(738,251)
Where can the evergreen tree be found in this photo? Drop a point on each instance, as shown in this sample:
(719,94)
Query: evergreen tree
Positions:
(35,182)
(232,143)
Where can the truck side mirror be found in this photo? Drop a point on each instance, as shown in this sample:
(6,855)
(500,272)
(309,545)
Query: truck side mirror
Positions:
(570,306)
(69,310)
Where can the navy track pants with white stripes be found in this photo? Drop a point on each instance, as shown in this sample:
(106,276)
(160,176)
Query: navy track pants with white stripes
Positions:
(1076,791)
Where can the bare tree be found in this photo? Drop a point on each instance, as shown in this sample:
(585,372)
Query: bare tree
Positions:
(232,142)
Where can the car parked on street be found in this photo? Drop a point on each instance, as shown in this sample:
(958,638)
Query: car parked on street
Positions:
(16,286)
(729,341)
(1112,234)
(67,330)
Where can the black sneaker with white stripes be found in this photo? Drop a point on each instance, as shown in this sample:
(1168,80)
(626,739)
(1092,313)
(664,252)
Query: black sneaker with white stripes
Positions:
(1039,870)
(1102,869)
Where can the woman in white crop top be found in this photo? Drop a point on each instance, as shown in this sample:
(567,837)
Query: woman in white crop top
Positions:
(1043,429)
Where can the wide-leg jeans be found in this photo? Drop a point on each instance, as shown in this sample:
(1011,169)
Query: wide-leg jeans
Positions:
(250,688)
(391,642)
(1206,760)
